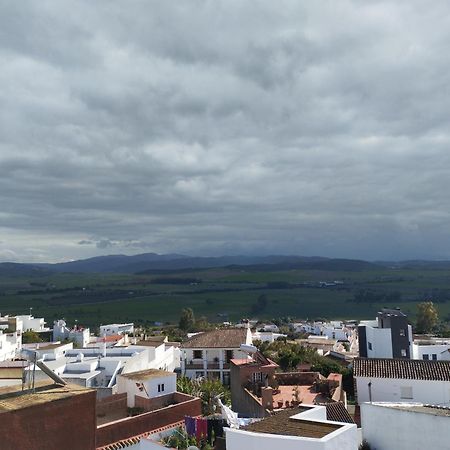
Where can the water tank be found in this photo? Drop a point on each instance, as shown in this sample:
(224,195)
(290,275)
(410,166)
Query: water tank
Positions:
(80,357)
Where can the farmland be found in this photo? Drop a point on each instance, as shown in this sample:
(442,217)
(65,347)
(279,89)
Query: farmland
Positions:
(222,294)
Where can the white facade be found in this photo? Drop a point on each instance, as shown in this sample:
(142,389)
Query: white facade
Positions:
(96,367)
(432,352)
(212,362)
(152,387)
(80,336)
(30,323)
(344,438)
(116,328)
(399,427)
(10,344)
(267,336)
(402,390)
(379,340)
(164,357)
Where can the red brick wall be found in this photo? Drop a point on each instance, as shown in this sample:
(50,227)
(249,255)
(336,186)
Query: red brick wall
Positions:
(117,402)
(133,426)
(67,423)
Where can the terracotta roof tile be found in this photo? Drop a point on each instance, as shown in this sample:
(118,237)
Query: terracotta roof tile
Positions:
(410,369)
(225,338)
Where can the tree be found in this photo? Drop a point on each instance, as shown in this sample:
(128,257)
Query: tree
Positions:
(207,390)
(28,337)
(187,319)
(427,317)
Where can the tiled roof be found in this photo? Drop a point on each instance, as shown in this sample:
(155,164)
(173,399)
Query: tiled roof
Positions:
(282,424)
(224,338)
(409,369)
(338,413)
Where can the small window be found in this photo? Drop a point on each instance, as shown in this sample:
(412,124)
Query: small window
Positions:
(159,388)
(406,392)
(426,357)
(162,387)
(403,352)
(369,344)
(434,357)
(198,354)
(402,332)
(228,355)
(257,377)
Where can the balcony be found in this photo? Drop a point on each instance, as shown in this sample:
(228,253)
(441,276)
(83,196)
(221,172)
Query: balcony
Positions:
(212,365)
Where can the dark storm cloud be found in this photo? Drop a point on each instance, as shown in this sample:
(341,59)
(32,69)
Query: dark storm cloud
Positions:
(210,127)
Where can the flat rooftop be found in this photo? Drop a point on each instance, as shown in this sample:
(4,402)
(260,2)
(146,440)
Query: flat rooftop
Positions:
(283,423)
(13,398)
(434,410)
(147,374)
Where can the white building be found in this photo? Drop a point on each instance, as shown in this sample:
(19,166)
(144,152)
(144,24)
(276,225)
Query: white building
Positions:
(30,323)
(267,336)
(402,380)
(116,328)
(79,335)
(433,349)
(10,344)
(148,384)
(95,367)
(389,336)
(400,426)
(209,354)
(308,429)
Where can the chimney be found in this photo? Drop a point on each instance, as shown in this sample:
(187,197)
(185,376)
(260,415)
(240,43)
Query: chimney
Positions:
(267,398)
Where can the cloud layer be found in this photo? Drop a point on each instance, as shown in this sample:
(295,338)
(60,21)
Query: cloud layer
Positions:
(212,127)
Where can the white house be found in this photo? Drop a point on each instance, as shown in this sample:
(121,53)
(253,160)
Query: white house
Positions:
(430,348)
(389,336)
(402,380)
(306,429)
(116,328)
(400,426)
(77,334)
(209,354)
(267,336)
(10,344)
(30,323)
(148,384)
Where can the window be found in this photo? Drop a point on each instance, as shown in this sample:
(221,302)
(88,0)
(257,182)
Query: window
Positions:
(257,377)
(198,354)
(402,332)
(403,352)
(369,344)
(161,387)
(434,356)
(406,392)
(426,357)
(228,355)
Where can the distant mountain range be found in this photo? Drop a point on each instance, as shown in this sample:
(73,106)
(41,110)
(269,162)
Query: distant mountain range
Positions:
(155,263)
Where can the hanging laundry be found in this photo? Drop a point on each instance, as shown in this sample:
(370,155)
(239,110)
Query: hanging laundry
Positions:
(189,422)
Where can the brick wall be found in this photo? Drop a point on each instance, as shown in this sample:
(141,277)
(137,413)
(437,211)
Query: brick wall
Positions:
(117,402)
(133,426)
(67,423)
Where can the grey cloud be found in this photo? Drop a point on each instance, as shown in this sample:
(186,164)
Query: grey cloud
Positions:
(220,127)
(85,242)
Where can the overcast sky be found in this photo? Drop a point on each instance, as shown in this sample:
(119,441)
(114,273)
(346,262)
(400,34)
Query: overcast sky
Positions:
(224,127)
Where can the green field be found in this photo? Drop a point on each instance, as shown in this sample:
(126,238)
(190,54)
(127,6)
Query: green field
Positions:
(222,294)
